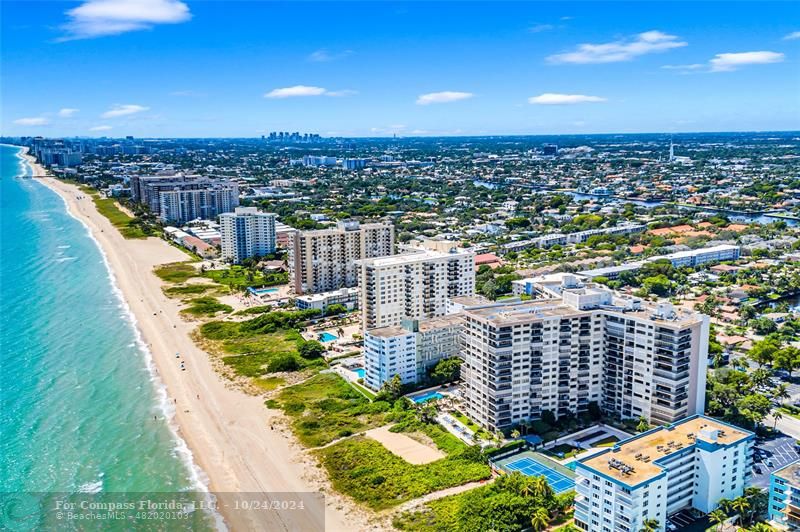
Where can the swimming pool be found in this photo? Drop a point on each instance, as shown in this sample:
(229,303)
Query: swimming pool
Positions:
(361,372)
(427,397)
(261,291)
(327,337)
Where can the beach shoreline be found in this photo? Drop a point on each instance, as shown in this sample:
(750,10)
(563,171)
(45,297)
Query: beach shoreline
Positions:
(237,443)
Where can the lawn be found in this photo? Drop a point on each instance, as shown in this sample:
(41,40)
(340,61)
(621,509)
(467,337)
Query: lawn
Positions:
(108,207)
(563,450)
(365,470)
(325,407)
(235,277)
(239,277)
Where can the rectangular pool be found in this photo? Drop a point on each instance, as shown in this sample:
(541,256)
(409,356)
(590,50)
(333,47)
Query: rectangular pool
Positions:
(327,337)
(262,291)
(361,372)
(427,397)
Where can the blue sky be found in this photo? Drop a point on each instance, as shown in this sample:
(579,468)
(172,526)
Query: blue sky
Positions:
(208,68)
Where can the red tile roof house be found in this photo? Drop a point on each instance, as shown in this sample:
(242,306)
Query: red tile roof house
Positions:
(489,259)
(198,246)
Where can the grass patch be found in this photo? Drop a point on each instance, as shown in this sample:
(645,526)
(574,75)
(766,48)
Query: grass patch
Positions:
(365,470)
(188,290)
(364,390)
(325,407)
(608,441)
(206,306)
(269,383)
(126,225)
(176,272)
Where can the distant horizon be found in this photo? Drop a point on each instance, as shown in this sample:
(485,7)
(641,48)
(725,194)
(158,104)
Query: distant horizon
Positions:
(398,137)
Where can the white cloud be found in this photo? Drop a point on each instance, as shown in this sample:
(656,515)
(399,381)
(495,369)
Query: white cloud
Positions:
(305,90)
(100,128)
(67,112)
(622,50)
(118,110)
(343,92)
(443,97)
(792,36)
(693,66)
(323,55)
(32,121)
(551,98)
(733,61)
(98,18)
(539,28)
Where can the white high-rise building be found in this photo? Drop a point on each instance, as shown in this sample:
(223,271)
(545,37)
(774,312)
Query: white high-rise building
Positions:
(413,286)
(325,260)
(693,463)
(586,345)
(247,232)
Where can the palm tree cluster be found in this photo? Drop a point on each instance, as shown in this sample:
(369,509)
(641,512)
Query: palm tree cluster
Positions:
(747,509)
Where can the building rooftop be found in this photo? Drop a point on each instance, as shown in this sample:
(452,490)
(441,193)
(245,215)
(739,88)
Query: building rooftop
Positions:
(592,298)
(407,258)
(790,473)
(423,326)
(635,460)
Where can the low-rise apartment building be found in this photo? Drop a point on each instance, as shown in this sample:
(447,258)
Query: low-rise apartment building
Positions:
(693,463)
(347,297)
(784,496)
(409,349)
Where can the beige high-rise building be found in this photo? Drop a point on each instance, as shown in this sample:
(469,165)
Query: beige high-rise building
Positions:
(325,260)
(413,286)
(585,345)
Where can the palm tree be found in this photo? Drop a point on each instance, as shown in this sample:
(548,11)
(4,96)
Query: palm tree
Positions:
(776,415)
(725,505)
(741,506)
(718,517)
(781,392)
(515,434)
(539,519)
(541,489)
(650,525)
(760,527)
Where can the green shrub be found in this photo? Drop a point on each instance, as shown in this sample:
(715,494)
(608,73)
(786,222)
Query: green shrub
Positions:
(365,470)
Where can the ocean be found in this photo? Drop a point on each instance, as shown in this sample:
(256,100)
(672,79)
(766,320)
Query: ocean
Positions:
(80,410)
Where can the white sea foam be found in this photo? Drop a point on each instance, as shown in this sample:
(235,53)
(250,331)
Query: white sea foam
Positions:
(64,259)
(91,487)
(65,246)
(198,477)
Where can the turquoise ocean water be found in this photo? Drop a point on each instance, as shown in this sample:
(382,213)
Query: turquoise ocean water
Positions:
(77,398)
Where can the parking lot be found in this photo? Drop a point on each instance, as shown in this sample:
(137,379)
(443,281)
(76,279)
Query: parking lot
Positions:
(770,456)
(687,521)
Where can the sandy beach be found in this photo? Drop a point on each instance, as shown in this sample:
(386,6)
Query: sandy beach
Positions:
(240,444)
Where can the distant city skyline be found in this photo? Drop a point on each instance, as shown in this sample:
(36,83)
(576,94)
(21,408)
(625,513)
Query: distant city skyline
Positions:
(166,68)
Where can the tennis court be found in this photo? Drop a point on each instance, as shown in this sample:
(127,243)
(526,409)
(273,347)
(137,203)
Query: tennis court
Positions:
(530,465)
